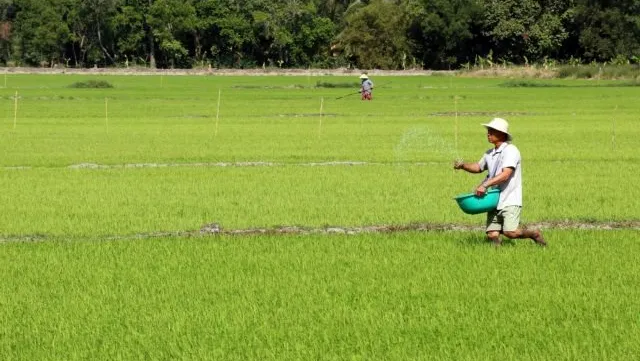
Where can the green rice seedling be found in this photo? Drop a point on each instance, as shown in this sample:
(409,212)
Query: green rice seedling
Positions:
(162,198)
(419,296)
(160,166)
(164,237)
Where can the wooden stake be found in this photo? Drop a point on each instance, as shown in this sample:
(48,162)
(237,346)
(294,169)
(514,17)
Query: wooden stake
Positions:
(455,129)
(106,113)
(218,112)
(613,129)
(15,110)
(455,143)
(320,125)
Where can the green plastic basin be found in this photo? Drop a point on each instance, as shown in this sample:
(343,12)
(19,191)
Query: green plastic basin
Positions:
(472,204)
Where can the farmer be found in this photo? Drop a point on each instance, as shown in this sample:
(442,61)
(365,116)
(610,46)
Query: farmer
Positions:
(366,87)
(503,164)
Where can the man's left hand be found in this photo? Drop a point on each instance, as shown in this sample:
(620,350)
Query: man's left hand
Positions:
(481,190)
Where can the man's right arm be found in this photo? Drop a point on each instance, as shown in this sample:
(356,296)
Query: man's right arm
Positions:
(469,167)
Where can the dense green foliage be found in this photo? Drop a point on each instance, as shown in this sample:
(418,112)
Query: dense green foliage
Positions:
(389,34)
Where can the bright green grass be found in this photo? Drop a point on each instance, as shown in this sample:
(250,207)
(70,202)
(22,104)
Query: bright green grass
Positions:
(409,296)
(403,296)
(59,126)
(579,146)
(127,201)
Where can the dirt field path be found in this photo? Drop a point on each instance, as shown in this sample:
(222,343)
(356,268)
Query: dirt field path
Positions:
(215,229)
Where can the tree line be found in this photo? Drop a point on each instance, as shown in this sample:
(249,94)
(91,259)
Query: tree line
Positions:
(384,34)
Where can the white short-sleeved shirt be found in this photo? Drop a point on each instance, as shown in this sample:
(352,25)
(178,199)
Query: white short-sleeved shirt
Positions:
(495,160)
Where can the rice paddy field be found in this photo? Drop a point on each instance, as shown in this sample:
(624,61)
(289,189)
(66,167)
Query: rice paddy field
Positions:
(281,218)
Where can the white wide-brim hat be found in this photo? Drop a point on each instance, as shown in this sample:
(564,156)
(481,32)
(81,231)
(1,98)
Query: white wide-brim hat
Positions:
(500,125)
(364,76)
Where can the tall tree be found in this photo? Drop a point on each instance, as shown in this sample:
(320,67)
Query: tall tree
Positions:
(441,31)
(173,21)
(375,35)
(132,24)
(525,28)
(292,33)
(92,33)
(7,15)
(312,38)
(41,30)
(333,9)
(224,30)
(130,31)
(608,29)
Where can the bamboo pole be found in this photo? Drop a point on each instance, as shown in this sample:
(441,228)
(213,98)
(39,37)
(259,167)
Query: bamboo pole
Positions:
(106,113)
(15,110)
(320,123)
(218,112)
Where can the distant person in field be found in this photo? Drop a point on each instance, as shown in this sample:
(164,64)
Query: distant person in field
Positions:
(366,87)
(503,163)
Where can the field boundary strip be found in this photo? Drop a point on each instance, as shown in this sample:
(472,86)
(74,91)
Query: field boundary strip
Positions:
(247,164)
(218,164)
(215,229)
